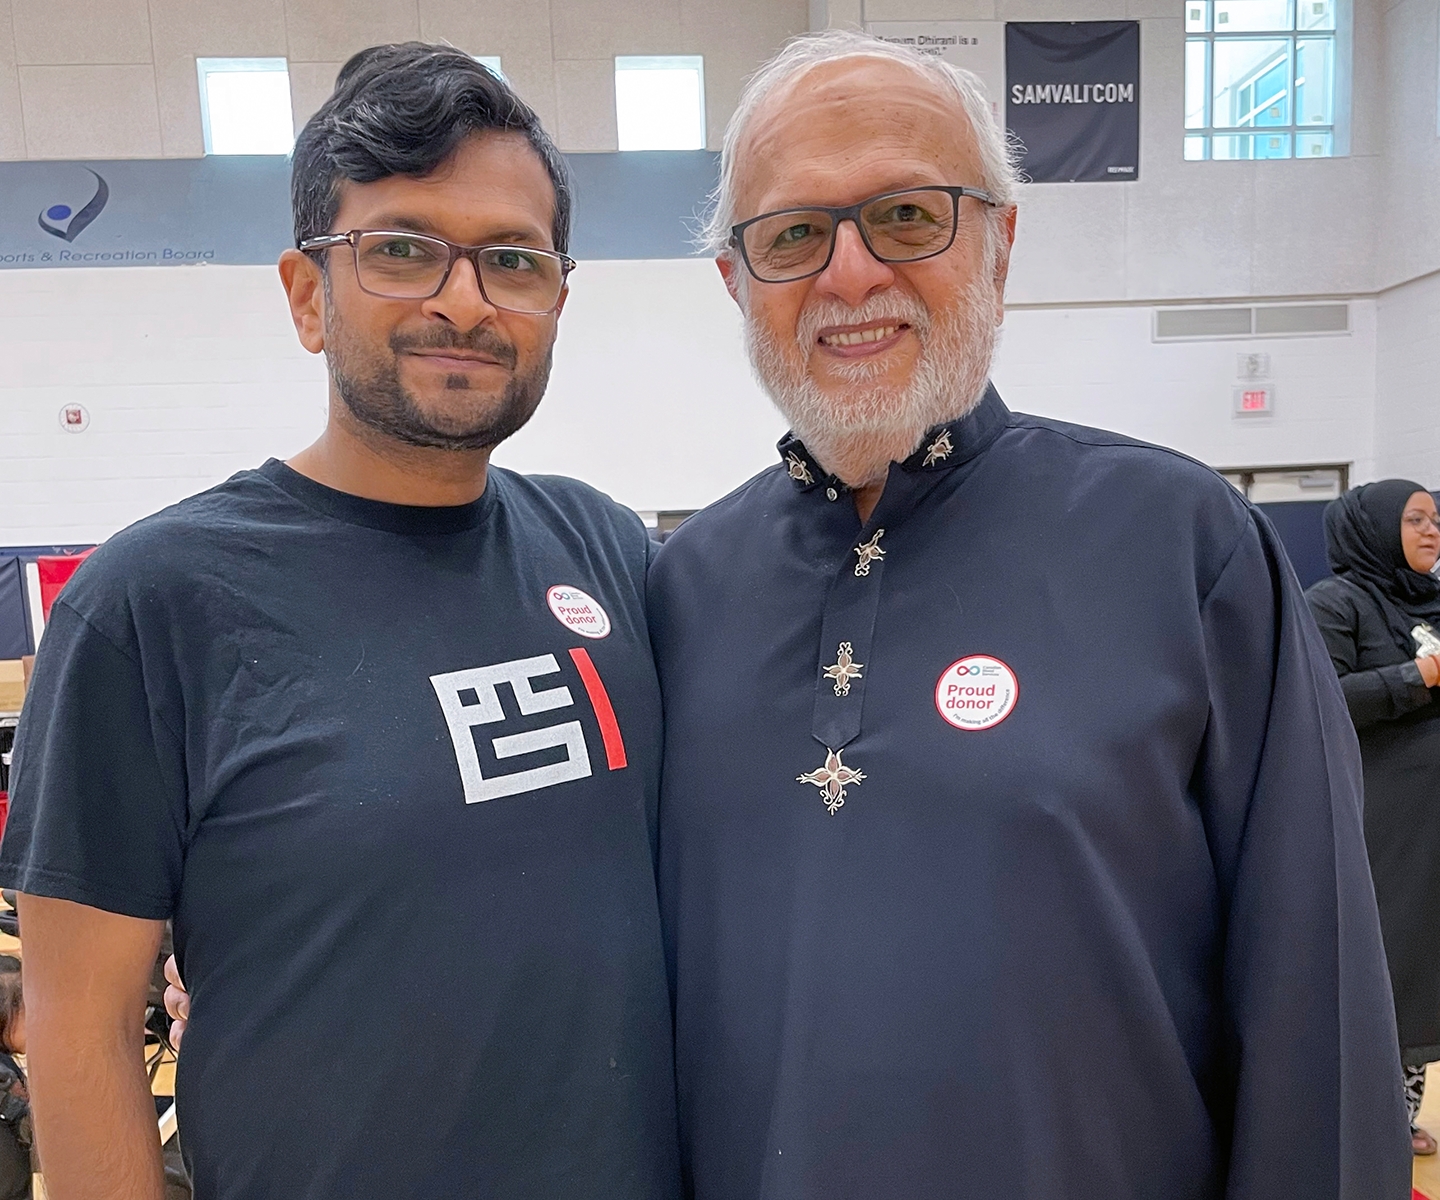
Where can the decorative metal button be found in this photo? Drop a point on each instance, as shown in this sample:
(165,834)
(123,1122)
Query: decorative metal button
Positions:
(832,779)
(939,449)
(869,552)
(844,669)
(831,494)
(797,469)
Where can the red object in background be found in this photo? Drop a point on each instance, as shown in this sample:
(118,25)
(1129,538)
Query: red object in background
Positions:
(4,810)
(55,571)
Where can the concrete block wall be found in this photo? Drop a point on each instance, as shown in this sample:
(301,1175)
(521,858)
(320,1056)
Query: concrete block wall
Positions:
(116,78)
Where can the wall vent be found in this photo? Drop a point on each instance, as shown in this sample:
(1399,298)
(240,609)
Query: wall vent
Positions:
(1219,322)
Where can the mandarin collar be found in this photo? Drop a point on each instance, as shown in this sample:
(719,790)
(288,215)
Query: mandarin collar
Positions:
(943,447)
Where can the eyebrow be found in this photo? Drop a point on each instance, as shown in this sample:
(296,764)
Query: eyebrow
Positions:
(413,223)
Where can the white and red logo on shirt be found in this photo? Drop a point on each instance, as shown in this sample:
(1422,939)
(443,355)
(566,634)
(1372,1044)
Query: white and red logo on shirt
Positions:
(471,699)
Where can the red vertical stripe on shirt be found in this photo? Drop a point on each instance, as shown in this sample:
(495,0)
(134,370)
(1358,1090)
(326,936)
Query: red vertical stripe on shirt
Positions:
(604,713)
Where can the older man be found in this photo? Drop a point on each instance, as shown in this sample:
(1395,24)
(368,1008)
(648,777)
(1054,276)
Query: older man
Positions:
(1010,819)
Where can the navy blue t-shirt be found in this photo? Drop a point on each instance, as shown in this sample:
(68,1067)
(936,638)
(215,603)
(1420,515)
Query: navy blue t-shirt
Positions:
(393,772)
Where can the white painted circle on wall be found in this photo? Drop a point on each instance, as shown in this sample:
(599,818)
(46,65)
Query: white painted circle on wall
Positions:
(74,418)
(577,611)
(977,692)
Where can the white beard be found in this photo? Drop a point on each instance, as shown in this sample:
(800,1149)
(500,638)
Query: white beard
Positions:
(856,434)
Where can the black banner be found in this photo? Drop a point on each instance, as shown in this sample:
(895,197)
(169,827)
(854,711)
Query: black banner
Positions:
(1073,98)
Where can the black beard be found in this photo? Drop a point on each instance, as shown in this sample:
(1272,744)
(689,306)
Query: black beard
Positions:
(378,400)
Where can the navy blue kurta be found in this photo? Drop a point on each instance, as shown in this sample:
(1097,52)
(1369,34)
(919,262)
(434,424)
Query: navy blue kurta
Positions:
(1011,843)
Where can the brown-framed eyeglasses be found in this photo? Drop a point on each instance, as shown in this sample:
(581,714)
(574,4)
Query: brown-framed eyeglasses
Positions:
(902,226)
(398,265)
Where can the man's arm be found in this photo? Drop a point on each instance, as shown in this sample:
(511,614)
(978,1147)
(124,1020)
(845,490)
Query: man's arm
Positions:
(1310,1082)
(87,975)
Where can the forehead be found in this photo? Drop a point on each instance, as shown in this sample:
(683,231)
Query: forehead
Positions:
(494,183)
(850,128)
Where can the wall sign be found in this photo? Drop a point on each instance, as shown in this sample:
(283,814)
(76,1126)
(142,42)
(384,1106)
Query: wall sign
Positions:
(230,208)
(1254,400)
(1073,98)
(976,46)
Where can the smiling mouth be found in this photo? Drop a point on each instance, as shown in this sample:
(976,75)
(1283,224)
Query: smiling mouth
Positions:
(861,337)
(462,360)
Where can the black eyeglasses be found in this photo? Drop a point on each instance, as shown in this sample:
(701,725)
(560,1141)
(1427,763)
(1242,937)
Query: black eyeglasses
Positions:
(413,266)
(904,226)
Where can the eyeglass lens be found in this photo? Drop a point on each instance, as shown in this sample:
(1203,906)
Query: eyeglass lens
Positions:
(901,227)
(412,267)
(1419,520)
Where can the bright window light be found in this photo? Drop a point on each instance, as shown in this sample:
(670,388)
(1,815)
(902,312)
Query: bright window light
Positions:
(245,105)
(492,61)
(660,102)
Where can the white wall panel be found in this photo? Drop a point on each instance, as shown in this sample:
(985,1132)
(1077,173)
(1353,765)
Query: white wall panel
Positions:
(1098,366)
(1407,404)
(192,373)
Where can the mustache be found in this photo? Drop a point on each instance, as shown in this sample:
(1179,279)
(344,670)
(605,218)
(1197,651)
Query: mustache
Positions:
(887,306)
(476,341)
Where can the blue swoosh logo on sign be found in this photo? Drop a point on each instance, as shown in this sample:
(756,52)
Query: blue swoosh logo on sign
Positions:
(82,219)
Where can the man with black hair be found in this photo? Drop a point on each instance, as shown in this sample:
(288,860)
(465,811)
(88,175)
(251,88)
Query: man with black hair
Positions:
(242,719)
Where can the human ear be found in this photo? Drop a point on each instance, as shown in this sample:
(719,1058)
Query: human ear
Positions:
(304,285)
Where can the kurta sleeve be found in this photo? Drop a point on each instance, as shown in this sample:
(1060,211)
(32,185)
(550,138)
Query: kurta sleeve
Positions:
(1375,695)
(1312,1089)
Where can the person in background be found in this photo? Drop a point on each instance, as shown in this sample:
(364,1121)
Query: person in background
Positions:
(1380,617)
(16,1136)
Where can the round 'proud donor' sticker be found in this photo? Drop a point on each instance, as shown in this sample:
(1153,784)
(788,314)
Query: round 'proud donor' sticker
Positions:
(578,611)
(977,692)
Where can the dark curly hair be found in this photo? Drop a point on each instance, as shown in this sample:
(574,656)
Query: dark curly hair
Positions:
(403,110)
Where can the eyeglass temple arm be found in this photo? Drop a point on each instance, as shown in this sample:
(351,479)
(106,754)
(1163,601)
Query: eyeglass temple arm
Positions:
(324,242)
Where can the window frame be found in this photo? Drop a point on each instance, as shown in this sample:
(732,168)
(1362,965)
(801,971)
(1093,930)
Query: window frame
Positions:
(207,66)
(1338,126)
(663,62)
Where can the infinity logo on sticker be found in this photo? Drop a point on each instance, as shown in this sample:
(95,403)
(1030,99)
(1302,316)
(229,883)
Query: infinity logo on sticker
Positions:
(976,693)
(577,611)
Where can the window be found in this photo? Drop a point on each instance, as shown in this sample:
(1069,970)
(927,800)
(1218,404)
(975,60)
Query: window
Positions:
(245,105)
(1260,78)
(492,61)
(660,102)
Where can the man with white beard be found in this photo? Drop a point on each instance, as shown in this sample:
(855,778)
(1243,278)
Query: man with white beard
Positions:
(1010,831)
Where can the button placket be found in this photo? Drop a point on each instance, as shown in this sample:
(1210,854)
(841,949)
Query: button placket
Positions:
(847,631)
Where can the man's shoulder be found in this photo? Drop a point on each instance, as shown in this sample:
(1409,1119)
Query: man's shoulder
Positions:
(164,553)
(570,506)
(1140,463)
(752,501)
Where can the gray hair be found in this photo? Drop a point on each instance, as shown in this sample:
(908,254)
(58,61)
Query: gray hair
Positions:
(999,174)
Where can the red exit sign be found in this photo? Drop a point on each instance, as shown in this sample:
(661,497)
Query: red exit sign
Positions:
(1254,400)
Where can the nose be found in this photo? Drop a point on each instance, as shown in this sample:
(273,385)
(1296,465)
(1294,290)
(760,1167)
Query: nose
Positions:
(460,302)
(853,273)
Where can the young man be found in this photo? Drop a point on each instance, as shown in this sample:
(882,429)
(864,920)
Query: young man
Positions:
(378,728)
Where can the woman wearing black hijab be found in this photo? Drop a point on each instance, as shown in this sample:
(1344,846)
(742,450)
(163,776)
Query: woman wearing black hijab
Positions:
(1380,617)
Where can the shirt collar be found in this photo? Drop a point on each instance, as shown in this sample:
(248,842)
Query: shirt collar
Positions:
(942,448)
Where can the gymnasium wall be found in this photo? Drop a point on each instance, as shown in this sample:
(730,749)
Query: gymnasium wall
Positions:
(191,373)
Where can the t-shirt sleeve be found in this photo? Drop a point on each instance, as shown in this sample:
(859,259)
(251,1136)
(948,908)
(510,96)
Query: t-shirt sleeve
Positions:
(97,804)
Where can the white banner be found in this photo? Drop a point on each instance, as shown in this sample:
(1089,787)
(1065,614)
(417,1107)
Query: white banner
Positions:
(977,46)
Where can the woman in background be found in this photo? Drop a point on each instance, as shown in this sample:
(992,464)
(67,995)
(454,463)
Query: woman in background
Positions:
(1380,617)
(15,1133)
